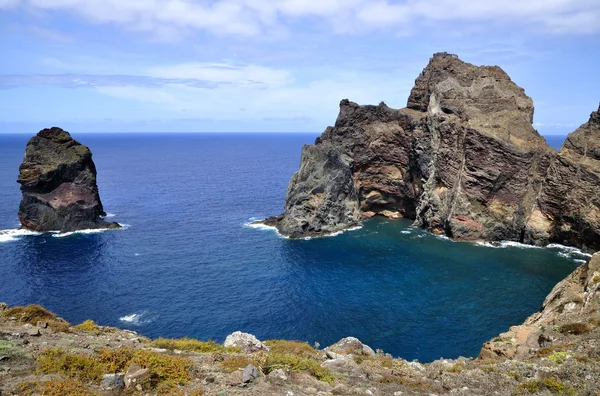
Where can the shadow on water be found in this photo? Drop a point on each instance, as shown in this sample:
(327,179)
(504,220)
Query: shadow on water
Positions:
(65,273)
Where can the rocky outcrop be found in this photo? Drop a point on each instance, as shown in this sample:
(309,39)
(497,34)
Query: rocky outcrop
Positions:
(462,159)
(569,198)
(58,182)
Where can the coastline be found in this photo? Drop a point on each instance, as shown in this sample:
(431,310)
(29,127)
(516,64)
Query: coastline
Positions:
(40,352)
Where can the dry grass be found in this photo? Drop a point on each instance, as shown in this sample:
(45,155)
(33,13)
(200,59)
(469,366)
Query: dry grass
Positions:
(56,387)
(164,369)
(575,328)
(235,363)
(34,313)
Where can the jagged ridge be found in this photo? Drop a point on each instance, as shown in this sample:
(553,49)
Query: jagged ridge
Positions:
(462,159)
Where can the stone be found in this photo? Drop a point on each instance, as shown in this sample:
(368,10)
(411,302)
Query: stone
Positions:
(349,345)
(248,343)
(278,374)
(250,374)
(34,332)
(135,374)
(208,380)
(417,366)
(58,184)
(113,381)
(3,306)
(340,389)
(461,160)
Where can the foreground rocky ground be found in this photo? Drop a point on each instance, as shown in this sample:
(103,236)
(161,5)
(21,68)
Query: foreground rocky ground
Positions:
(556,351)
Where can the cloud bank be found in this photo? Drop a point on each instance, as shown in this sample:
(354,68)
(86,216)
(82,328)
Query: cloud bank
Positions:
(270,18)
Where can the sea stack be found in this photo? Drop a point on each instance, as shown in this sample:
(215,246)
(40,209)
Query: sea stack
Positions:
(462,160)
(58,182)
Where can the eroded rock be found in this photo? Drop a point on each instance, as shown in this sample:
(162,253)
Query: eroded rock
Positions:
(462,160)
(58,182)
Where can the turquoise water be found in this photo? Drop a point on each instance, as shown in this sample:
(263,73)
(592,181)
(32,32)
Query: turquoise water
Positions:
(188,264)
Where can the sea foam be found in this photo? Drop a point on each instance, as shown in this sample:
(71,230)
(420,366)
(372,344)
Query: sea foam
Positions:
(137,318)
(252,223)
(15,235)
(90,231)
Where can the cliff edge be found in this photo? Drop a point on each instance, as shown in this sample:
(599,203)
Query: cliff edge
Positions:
(58,182)
(462,159)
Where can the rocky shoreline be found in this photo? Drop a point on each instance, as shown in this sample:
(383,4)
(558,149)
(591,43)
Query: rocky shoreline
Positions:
(462,160)
(556,351)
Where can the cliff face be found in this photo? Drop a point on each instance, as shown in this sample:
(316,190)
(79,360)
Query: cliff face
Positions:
(462,159)
(58,182)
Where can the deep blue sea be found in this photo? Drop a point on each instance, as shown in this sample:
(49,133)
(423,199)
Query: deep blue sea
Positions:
(188,265)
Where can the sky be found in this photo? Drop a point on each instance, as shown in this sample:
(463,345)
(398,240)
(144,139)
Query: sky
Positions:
(277,65)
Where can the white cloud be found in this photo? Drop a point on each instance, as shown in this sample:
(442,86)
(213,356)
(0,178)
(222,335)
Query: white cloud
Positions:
(318,98)
(8,3)
(169,18)
(222,73)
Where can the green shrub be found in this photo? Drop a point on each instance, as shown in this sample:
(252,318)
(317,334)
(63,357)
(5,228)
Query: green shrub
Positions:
(89,326)
(163,368)
(551,384)
(81,367)
(558,357)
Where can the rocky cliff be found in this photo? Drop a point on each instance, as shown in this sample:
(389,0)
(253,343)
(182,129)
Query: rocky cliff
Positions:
(462,159)
(58,182)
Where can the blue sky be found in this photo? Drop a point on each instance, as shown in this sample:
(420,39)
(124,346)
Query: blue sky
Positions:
(276,65)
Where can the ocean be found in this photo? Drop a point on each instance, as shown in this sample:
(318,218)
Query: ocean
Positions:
(188,264)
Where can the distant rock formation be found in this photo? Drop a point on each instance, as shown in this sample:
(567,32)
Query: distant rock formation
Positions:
(462,159)
(58,182)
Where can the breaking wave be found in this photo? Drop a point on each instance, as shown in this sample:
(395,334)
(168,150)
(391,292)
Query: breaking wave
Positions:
(15,235)
(138,319)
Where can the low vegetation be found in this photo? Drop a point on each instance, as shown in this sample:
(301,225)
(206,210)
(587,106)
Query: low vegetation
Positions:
(164,369)
(33,314)
(191,345)
(89,326)
(56,387)
(235,363)
(294,356)
(551,384)
(575,328)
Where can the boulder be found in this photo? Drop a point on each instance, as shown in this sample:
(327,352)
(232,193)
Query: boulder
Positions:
(113,381)
(347,346)
(135,374)
(248,343)
(278,375)
(249,374)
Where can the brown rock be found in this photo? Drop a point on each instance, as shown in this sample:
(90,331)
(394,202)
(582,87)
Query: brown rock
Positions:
(463,159)
(58,182)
